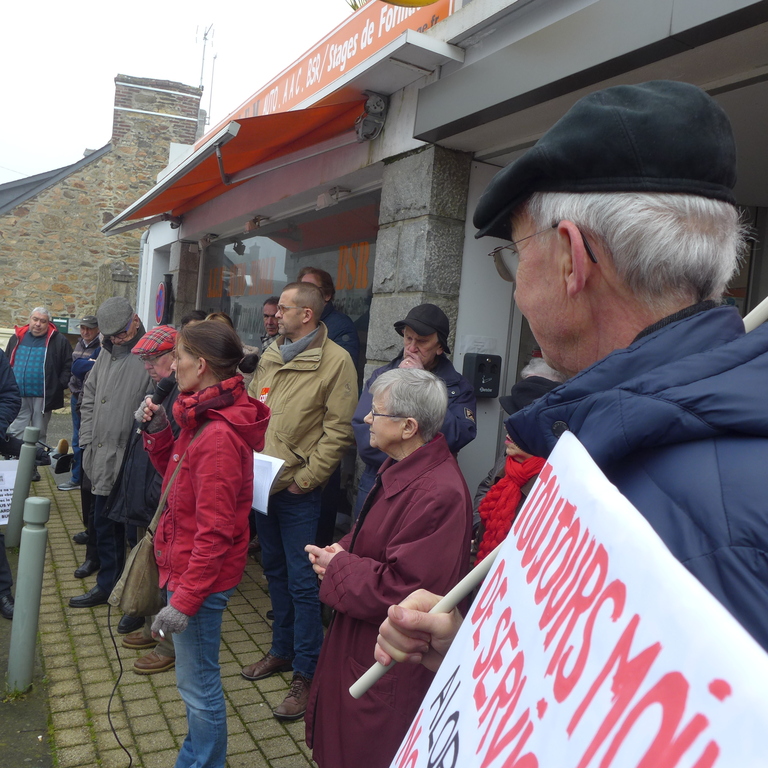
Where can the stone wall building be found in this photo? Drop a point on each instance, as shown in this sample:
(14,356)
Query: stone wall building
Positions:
(52,251)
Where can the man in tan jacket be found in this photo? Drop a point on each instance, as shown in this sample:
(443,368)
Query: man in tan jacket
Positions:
(310,385)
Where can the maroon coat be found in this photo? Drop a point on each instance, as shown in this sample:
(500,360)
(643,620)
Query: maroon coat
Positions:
(416,534)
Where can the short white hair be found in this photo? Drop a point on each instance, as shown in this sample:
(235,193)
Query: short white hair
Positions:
(42,311)
(667,248)
(538,366)
(414,394)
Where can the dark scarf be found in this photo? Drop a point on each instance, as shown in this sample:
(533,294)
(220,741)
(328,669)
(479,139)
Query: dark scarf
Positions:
(499,507)
(190,407)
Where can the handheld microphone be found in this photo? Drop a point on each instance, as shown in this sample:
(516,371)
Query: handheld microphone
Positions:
(163,388)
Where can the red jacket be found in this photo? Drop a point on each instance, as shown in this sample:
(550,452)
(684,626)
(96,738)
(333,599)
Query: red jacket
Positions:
(201,542)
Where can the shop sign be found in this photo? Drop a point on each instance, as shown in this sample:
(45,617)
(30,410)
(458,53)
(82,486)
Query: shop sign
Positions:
(367,31)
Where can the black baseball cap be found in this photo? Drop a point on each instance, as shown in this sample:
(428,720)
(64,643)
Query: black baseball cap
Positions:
(661,136)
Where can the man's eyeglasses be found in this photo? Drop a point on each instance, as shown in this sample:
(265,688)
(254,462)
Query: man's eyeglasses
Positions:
(152,359)
(282,307)
(506,258)
(120,336)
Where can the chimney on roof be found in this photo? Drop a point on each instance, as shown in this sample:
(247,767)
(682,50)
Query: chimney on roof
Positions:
(148,109)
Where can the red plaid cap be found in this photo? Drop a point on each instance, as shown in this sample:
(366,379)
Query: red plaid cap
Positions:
(156,341)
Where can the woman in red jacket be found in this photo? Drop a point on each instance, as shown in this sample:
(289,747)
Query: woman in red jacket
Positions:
(201,543)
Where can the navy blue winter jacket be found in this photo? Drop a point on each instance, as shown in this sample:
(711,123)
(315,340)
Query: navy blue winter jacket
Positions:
(459,427)
(678,421)
(342,330)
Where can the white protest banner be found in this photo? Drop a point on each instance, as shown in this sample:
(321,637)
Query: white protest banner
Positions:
(7,479)
(591,645)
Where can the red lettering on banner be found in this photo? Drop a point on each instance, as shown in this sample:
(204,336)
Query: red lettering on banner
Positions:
(720,689)
(538,518)
(494,660)
(566,523)
(409,755)
(493,590)
(578,604)
(566,575)
(499,709)
(626,681)
(564,684)
(671,693)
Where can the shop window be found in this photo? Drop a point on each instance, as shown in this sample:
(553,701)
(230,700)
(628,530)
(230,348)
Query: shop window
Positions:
(240,274)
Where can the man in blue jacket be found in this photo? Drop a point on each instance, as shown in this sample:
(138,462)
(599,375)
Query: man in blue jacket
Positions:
(425,333)
(625,233)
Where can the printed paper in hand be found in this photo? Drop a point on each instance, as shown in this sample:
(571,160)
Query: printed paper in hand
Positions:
(7,479)
(266,469)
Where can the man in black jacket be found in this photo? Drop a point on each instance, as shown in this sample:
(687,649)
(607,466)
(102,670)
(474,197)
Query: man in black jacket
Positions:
(135,495)
(10,402)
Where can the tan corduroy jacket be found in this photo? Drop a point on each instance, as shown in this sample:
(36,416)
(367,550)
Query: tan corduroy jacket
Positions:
(312,399)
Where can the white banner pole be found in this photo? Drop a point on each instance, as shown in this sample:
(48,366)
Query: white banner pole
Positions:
(473,579)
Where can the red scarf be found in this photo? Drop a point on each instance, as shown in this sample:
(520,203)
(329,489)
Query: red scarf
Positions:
(498,508)
(190,407)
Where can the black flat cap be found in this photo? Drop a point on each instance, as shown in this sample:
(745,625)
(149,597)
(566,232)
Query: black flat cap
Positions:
(661,136)
(525,392)
(427,319)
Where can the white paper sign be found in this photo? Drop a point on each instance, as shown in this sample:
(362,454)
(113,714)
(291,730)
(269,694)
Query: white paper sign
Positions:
(266,470)
(590,645)
(7,480)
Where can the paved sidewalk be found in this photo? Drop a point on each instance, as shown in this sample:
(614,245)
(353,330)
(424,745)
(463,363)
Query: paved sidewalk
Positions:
(81,666)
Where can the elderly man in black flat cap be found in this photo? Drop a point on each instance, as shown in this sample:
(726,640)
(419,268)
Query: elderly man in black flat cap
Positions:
(624,235)
(425,331)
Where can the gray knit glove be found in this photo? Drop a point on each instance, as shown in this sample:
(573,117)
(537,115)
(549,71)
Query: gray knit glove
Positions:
(157,423)
(170,620)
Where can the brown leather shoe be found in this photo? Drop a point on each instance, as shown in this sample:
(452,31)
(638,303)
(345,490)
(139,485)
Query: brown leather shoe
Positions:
(137,642)
(268,666)
(153,663)
(295,703)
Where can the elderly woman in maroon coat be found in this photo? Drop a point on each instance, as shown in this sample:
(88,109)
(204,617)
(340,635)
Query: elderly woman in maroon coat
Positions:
(413,531)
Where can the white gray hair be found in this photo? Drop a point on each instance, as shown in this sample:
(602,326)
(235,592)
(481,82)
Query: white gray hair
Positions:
(668,248)
(539,367)
(415,394)
(42,311)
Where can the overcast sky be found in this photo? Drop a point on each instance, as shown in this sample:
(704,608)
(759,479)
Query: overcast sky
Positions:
(59,62)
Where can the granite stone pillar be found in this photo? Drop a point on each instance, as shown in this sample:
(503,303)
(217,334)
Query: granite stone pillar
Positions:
(420,242)
(183,266)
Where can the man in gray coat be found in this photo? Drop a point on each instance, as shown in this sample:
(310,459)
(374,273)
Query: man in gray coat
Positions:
(116,385)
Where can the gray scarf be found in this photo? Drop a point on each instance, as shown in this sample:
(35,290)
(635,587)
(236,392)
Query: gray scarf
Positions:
(289,349)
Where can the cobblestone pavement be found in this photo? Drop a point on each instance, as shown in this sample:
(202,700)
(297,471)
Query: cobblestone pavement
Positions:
(81,665)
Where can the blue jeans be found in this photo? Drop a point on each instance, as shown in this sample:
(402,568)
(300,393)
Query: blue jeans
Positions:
(198,678)
(291,524)
(77,462)
(110,545)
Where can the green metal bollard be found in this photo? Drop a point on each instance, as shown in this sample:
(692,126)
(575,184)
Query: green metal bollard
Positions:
(29,585)
(24,475)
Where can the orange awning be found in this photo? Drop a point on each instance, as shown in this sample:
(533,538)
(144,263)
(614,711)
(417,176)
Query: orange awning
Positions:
(243,144)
